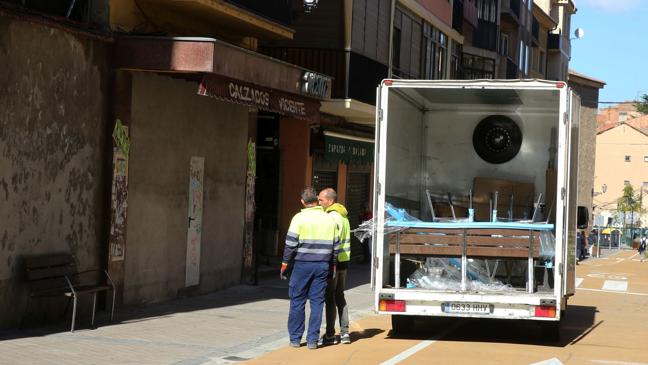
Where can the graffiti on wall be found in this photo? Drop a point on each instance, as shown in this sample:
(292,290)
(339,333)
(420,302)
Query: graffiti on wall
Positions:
(119,198)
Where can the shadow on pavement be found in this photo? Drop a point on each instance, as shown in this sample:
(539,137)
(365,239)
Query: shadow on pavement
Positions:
(576,325)
(269,288)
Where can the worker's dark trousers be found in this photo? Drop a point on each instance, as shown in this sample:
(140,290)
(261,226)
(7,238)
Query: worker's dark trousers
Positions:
(307,281)
(336,303)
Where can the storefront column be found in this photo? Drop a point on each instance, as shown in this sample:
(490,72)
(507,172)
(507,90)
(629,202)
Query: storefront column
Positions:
(342,183)
(294,144)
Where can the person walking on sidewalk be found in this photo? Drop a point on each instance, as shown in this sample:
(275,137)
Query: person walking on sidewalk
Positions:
(312,245)
(335,300)
(642,248)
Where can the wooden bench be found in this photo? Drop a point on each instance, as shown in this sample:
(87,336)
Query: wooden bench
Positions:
(480,243)
(57,275)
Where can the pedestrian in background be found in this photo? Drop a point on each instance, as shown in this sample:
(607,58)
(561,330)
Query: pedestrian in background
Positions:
(642,248)
(335,287)
(312,245)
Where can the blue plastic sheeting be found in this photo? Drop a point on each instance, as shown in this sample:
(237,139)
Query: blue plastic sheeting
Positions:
(469,225)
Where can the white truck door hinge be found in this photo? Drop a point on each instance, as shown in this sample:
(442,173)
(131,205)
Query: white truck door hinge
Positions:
(565,118)
(560,268)
(380,115)
(562,193)
(379,188)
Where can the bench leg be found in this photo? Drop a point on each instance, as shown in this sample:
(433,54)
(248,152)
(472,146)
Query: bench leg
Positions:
(94,308)
(74,308)
(112,309)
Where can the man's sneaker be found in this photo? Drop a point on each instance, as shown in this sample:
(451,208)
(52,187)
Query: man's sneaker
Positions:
(312,346)
(327,340)
(345,338)
(295,344)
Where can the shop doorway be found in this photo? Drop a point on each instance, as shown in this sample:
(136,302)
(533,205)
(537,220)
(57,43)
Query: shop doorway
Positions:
(266,220)
(357,204)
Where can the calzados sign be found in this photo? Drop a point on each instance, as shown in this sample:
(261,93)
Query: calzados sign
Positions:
(249,94)
(263,98)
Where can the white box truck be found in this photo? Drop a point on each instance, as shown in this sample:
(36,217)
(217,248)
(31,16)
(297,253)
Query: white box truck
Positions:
(475,188)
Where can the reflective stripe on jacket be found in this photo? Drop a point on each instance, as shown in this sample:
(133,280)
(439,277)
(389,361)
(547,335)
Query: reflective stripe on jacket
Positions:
(313,236)
(339,214)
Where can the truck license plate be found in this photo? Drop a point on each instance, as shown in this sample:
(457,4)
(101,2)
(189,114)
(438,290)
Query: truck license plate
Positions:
(473,308)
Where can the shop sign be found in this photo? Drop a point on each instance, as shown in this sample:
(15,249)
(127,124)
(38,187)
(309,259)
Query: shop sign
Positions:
(357,150)
(316,85)
(258,96)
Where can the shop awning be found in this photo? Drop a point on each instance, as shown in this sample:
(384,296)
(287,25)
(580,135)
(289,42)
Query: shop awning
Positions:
(348,148)
(244,93)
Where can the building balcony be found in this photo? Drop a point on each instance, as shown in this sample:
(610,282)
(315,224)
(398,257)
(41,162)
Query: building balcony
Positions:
(486,35)
(559,42)
(226,19)
(510,11)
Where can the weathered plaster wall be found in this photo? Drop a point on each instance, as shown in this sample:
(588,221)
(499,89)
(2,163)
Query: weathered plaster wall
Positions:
(53,137)
(170,124)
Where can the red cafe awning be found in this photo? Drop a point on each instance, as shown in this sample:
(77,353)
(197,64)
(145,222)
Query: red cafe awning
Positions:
(244,93)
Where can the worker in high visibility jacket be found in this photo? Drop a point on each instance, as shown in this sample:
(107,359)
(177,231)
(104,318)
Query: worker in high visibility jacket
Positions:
(335,300)
(312,246)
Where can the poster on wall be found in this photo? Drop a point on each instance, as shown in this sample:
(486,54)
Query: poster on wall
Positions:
(194,229)
(119,196)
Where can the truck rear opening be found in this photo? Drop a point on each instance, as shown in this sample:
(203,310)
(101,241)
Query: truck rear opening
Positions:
(475,189)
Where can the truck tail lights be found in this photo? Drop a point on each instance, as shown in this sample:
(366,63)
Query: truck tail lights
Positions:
(545,311)
(389,305)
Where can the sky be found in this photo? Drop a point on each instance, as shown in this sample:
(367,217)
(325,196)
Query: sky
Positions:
(614,48)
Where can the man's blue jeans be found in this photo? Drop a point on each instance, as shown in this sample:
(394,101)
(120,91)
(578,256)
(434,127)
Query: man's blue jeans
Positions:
(307,281)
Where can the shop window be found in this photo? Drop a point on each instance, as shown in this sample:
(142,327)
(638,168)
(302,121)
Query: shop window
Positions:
(627,158)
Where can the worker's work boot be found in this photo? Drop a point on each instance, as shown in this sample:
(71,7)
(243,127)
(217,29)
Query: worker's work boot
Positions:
(327,340)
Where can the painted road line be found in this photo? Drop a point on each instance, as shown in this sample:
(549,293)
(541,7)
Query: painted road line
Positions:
(579,281)
(614,292)
(552,361)
(414,349)
(615,285)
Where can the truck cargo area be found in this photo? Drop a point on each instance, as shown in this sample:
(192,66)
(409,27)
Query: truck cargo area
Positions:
(471,179)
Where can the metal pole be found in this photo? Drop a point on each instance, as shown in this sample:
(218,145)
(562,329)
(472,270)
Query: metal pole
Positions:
(391,39)
(598,242)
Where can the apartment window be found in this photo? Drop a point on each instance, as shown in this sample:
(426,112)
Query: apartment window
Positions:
(435,50)
(626,182)
(526,60)
(455,61)
(645,158)
(521,56)
(623,116)
(487,10)
(627,158)
(504,44)
(396,48)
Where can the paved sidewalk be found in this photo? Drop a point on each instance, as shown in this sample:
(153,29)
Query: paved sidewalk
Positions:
(224,327)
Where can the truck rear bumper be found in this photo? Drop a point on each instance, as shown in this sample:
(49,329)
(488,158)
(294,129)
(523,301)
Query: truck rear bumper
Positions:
(541,307)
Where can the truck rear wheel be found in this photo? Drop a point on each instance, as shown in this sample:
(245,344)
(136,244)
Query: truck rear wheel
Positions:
(402,323)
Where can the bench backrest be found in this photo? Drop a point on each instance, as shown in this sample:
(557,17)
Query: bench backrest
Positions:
(504,243)
(48,272)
